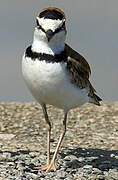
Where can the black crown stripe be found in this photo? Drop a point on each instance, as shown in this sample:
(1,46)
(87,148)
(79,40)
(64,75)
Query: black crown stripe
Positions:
(51,14)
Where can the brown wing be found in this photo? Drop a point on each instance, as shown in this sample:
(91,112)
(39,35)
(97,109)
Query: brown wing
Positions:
(80,71)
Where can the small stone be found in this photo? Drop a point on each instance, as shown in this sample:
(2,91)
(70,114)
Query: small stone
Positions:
(112,155)
(87,167)
(116,157)
(81,159)
(61,174)
(68,169)
(70,158)
(7,136)
(5,157)
(69,177)
(25,128)
(32,154)
(31,175)
(101,177)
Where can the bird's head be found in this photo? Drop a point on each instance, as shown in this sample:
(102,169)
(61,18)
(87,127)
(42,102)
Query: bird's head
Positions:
(50,26)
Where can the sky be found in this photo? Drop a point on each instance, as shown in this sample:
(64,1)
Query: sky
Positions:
(92,30)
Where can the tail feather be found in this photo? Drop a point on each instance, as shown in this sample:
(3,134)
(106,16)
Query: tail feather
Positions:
(98,98)
(95,99)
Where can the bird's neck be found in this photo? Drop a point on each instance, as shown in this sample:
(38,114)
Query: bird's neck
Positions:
(51,47)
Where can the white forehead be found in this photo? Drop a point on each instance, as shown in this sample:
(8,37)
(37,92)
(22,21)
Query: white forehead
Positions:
(50,23)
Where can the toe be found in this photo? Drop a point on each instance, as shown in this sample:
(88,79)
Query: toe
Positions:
(43,168)
(51,167)
(46,168)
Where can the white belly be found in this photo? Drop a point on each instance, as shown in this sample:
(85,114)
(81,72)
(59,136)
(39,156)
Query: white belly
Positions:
(49,83)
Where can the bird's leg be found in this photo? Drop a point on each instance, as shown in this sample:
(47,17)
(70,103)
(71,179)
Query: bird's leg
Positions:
(48,133)
(48,138)
(52,163)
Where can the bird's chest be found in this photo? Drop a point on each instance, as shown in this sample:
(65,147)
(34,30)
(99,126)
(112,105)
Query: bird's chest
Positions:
(44,79)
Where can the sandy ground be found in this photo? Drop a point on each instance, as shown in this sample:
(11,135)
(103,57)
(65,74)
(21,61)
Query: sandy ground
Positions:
(89,150)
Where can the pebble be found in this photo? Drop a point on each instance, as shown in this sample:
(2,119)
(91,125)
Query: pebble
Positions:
(112,155)
(20,165)
(89,151)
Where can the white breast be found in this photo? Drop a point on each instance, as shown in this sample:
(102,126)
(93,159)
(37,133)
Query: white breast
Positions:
(50,83)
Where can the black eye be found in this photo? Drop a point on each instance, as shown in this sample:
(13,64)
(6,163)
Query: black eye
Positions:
(60,28)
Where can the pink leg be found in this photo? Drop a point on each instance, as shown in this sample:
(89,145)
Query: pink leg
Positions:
(52,163)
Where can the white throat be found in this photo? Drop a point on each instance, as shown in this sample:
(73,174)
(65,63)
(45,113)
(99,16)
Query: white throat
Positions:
(47,48)
(57,42)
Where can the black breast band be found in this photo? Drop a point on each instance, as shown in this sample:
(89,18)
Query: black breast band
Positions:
(47,57)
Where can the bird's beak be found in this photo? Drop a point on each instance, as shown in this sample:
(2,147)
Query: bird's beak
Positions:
(49,34)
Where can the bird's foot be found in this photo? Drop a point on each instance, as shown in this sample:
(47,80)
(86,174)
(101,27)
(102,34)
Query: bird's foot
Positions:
(46,168)
(51,166)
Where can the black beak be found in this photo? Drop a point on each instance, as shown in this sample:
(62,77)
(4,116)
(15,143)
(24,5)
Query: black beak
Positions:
(49,34)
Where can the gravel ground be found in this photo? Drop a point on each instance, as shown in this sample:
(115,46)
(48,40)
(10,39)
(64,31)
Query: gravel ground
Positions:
(89,150)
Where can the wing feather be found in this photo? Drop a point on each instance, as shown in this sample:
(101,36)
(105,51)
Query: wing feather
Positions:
(80,71)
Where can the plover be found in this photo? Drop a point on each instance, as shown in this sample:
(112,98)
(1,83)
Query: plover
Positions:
(55,73)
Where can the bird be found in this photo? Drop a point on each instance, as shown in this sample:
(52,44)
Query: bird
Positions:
(55,73)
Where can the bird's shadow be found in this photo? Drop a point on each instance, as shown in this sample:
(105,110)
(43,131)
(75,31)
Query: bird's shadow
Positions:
(97,158)
(79,157)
